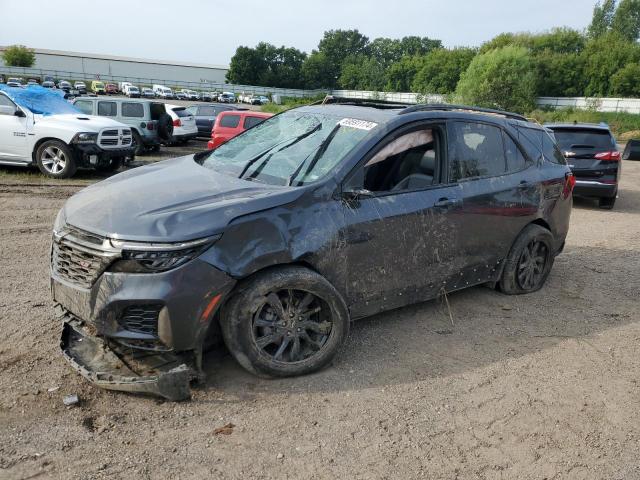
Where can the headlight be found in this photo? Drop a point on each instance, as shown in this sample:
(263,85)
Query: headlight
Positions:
(85,137)
(138,257)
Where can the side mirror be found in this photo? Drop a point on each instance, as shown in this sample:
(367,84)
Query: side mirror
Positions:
(355,194)
(19,113)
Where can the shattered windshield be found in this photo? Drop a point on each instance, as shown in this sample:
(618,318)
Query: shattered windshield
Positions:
(293,148)
(40,100)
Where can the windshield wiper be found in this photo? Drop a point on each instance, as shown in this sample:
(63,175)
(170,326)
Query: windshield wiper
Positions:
(262,154)
(321,150)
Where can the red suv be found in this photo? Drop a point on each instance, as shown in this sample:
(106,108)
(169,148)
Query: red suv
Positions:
(231,123)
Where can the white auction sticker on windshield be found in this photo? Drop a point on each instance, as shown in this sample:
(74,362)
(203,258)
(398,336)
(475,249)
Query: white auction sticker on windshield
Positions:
(355,123)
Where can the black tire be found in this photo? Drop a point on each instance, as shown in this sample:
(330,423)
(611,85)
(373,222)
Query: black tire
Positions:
(255,334)
(607,203)
(165,127)
(56,159)
(139,144)
(114,164)
(526,269)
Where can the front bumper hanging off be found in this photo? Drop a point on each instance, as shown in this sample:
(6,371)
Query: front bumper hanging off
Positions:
(112,367)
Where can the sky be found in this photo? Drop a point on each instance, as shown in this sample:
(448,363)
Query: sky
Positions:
(209,32)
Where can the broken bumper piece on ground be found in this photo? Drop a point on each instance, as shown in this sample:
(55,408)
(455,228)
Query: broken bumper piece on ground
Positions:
(162,374)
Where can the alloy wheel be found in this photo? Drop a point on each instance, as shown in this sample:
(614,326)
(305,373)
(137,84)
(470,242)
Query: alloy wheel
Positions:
(54,160)
(531,265)
(291,326)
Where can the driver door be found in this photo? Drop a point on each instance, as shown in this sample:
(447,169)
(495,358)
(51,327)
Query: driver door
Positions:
(13,134)
(398,238)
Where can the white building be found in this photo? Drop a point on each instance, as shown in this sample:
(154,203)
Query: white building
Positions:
(109,67)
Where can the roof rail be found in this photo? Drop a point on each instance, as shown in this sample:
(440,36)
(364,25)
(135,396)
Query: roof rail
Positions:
(464,108)
(369,102)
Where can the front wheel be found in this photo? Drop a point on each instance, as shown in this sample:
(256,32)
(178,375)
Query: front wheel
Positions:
(529,261)
(285,322)
(607,203)
(56,159)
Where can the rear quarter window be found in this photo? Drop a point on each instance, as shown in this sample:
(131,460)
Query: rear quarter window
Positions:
(133,110)
(252,122)
(551,151)
(230,121)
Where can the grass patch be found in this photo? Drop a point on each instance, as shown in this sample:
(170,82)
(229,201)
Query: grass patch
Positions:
(289,103)
(623,125)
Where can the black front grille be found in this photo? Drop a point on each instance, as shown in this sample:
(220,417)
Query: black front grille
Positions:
(109,141)
(110,133)
(141,319)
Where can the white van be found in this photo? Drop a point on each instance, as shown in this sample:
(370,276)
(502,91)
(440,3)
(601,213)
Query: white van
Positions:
(162,92)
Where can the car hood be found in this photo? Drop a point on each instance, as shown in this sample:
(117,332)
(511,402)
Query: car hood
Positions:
(171,201)
(78,122)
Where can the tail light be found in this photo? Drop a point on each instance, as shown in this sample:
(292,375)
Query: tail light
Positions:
(569,184)
(177,123)
(613,156)
(150,126)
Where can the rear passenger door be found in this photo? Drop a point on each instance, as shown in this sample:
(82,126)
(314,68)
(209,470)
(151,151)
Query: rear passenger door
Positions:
(500,196)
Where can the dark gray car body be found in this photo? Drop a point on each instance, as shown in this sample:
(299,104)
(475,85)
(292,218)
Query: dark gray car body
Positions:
(379,252)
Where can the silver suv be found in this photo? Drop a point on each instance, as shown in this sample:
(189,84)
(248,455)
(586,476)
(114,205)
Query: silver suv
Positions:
(150,124)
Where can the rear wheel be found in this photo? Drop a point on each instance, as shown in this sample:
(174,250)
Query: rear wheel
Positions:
(139,144)
(56,159)
(285,322)
(529,262)
(607,203)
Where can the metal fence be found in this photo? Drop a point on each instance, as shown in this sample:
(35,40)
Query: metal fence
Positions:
(175,84)
(629,105)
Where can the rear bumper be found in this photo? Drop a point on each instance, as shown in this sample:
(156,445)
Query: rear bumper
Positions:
(106,366)
(593,188)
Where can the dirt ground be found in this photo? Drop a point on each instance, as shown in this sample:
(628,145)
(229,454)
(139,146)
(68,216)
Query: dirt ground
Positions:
(544,386)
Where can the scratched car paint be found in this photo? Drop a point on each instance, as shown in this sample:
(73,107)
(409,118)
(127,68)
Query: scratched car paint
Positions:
(280,238)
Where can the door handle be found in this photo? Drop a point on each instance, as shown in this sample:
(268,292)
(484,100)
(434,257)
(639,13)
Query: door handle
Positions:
(447,203)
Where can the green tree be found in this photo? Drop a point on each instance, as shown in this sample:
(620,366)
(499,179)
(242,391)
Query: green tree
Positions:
(18,56)
(560,74)
(626,20)
(503,78)
(267,65)
(602,18)
(362,73)
(318,71)
(626,82)
(441,69)
(245,67)
(339,45)
(401,75)
(603,58)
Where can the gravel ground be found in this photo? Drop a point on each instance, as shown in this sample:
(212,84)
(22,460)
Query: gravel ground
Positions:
(530,387)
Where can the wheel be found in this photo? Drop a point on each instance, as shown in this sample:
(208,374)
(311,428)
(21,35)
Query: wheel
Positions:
(114,164)
(56,159)
(137,140)
(285,322)
(607,203)
(529,261)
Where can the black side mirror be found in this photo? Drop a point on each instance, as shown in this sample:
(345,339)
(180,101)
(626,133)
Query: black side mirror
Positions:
(356,194)
(19,113)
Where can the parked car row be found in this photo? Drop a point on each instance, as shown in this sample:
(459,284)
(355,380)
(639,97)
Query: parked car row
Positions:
(253,99)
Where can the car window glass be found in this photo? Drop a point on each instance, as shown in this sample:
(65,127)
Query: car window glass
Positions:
(207,111)
(551,151)
(4,101)
(406,163)
(252,122)
(230,121)
(182,112)
(531,140)
(133,110)
(107,109)
(476,150)
(84,106)
(516,160)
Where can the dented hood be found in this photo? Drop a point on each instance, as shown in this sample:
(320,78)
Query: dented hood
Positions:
(169,201)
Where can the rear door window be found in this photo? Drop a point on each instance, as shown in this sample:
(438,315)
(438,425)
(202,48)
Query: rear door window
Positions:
(107,109)
(516,161)
(476,150)
(230,121)
(252,122)
(133,110)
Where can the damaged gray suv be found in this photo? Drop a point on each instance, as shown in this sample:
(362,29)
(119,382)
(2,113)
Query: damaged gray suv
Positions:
(282,236)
